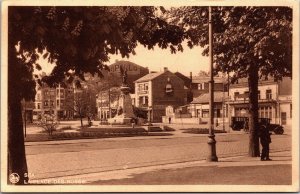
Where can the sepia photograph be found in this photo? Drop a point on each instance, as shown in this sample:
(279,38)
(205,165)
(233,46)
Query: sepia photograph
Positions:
(195,96)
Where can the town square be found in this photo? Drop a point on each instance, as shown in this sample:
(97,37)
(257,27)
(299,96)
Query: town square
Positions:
(160,98)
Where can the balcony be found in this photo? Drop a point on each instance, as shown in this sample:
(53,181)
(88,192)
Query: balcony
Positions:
(246,100)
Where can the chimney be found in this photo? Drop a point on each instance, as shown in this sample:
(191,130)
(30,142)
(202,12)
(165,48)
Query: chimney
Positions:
(165,69)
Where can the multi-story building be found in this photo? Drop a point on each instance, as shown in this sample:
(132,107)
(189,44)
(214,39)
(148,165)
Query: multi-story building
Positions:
(156,91)
(58,101)
(200,85)
(274,100)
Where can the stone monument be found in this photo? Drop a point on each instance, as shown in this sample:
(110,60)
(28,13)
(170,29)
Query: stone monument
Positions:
(125,113)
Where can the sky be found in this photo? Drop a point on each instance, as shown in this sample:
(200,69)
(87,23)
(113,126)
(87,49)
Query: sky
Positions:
(190,60)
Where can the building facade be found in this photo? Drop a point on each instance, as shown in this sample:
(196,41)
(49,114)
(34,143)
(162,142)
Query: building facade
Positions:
(58,101)
(274,100)
(156,91)
(199,107)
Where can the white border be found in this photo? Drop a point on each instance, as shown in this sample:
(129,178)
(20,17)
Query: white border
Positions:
(151,188)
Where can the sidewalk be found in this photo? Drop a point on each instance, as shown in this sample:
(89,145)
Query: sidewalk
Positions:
(228,170)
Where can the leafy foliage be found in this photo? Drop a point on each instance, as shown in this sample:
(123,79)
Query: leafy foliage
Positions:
(242,36)
(250,42)
(79,39)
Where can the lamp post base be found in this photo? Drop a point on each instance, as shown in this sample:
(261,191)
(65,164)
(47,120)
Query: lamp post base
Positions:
(212,157)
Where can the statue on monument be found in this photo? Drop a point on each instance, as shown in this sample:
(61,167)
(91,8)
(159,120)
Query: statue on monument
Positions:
(125,112)
(124,75)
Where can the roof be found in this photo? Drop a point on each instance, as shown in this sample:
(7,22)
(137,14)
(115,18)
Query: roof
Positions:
(126,63)
(187,80)
(205,79)
(204,98)
(149,76)
(243,82)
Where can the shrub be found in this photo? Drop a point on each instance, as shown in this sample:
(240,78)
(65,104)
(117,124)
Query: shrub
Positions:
(65,127)
(201,130)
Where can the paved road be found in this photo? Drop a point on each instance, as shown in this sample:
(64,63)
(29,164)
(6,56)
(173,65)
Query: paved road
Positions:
(63,158)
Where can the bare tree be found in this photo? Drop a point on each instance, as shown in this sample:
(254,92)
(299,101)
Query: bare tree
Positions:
(48,122)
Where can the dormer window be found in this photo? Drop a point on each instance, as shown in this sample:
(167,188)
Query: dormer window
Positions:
(169,89)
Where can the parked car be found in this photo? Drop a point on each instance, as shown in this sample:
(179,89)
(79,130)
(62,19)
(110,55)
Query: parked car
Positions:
(238,123)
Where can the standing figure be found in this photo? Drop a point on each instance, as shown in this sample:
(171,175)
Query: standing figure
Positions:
(124,75)
(246,126)
(265,140)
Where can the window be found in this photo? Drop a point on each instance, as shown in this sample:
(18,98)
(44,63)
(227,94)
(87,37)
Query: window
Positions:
(52,92)
(140,87)
(38,106)
(51,103)
(46,93)
(62,102)
(268,94)
(236,94)
(259,113)
(270,112)
(217,113)
(62,93)
(141,100)
(258,94)
(46,103)
(38,97)
(266,112)
(205,113)
(146,100)
(199,86)
(246,94)
(143,87)
(57,102)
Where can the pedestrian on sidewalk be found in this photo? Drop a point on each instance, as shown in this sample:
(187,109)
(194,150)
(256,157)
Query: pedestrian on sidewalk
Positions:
(265,140)
(246,126)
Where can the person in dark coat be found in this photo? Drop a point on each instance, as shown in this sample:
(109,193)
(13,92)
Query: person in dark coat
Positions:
(265,140)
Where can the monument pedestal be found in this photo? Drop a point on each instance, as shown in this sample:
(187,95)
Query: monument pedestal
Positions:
(125,110)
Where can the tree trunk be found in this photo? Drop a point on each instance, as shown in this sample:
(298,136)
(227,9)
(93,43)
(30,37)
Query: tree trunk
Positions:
(253,112)
(16,148)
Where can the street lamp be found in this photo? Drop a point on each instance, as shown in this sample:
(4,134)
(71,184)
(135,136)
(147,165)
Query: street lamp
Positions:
(223,102)
(212,157)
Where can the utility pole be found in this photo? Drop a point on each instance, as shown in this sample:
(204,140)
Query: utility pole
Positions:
(212,157)
(223,102)
(109,107)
